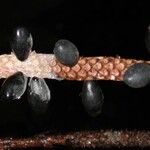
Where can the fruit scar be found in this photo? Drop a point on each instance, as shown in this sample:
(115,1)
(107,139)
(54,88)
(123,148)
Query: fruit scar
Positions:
(87,68)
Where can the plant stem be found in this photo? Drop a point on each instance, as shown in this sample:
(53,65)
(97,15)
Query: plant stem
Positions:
(87,68)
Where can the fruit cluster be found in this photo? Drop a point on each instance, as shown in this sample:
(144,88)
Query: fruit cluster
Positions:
(67,54)
(37,90)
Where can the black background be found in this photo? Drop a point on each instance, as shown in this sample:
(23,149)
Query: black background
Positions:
(97,28)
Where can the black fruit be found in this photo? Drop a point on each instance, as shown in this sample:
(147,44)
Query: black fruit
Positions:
(21,43)
(38,95)
(66,53)
(92,98)
(14,87)
(137,75)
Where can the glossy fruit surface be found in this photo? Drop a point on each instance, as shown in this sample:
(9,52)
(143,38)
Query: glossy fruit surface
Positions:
(92,98)
(38,95)
(137,75)
(13,87)
(21,43)
(66,53)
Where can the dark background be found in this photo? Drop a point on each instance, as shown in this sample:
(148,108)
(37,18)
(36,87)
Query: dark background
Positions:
(97,28)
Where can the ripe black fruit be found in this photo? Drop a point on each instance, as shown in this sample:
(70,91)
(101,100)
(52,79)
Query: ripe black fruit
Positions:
(21,43)
(38,95)
(14,87)
(137,75)
(92,98)
(66,53)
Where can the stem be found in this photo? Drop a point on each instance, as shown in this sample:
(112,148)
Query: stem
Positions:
(87,68)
